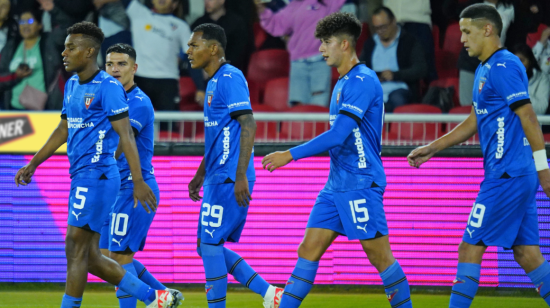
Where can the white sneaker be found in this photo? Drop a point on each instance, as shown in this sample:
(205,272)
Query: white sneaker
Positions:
(177,295)
(272,298)
(163,299)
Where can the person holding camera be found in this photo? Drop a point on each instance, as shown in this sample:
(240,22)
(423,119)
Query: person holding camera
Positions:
(29,68)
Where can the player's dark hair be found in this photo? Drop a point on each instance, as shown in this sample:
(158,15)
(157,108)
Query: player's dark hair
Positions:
(527,52)
(123,48)
(384,9)
(337,24)
(212,32)
(484,11)
(88,30)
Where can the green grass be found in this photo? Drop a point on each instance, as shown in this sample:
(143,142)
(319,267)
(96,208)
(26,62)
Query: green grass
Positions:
(52,299)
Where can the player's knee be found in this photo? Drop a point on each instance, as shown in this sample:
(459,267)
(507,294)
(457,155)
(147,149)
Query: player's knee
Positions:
(525,256)
(312,249)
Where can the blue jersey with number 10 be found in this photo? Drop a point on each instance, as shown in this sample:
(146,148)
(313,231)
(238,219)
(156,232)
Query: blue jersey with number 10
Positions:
(88,106)
(227,98)
(357,162)
(500,86)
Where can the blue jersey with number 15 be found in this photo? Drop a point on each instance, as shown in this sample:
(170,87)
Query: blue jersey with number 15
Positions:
(88,107)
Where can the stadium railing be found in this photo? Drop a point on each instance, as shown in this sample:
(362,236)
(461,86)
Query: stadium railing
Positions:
(283,127)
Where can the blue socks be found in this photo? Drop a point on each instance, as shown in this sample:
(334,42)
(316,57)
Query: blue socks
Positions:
(243,273)
(397,286)
(126,300)
(465,285)
(216,274)
(131,285)
(299,284)
(145,276)
(541,278)
(71,302)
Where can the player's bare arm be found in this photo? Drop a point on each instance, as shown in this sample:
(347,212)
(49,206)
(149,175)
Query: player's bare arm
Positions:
(277,160)
(459,134)
(531,128)
(248,132)
(142,192)
(196,183)
(57,139)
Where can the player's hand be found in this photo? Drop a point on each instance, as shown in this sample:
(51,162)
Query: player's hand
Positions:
(144,194)
(420,155)
(544,179)
(242,193)
(544,36)
(276,160)
(24,175)
(387,75)
(195,187)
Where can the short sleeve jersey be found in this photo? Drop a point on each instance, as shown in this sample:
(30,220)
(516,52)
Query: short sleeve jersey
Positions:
(88,107)
(500,86)
(357,162)
(142,118)
(227,98)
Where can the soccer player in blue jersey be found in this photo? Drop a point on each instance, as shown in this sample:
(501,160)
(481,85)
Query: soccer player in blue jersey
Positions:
(351,202)
(94,120)
(125,232)
(505,211)
(227,169)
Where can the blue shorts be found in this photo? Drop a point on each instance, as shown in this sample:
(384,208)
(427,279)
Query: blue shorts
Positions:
(93,191)
(505,213)
(221,217)
(127,227)
(358,214)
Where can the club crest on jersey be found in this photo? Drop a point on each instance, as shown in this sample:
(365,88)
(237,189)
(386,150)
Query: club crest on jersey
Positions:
(210,97)
(392,294)
(88,98)
(481,84)
(458,280)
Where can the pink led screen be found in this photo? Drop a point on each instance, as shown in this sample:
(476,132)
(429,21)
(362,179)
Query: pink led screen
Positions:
(426,208)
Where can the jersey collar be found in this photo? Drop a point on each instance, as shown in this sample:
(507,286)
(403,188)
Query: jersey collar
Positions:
(219,68)
(353,67)
(132,88)
(81,82)
(485,62)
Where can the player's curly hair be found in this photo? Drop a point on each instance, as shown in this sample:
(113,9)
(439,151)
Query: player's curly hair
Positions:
(337,24)
(89,30)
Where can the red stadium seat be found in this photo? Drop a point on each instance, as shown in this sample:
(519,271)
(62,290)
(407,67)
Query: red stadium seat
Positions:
(190,128)
(265,131)
(365,34)
(268,64)
(187,91)
(295,131)
(254,90)
(547,138)
(435,34)
(448,82)
(446,64)
(533,38)
(452,39)
(276,94)
(334,77)
(259,35)
(415,132)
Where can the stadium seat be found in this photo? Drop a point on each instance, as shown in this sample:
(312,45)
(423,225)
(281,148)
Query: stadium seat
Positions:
(268,64)
(276,94)
(415,132)
(547,138)
(435,35)
(448,82)
(187,91)
(297,131)
(446,64)
(265,131)
(254,90)
(259,35)
(533,38)
(334,78)
(188,127)
(365,34)
(452,39)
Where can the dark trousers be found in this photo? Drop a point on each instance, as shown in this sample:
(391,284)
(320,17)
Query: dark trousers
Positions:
(164,93)
(423,33)
(397,98)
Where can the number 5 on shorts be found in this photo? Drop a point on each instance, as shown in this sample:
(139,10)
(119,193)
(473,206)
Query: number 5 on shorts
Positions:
(80,197)
(478,211)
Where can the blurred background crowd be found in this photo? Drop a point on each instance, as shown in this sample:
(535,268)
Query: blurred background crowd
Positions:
(413,45)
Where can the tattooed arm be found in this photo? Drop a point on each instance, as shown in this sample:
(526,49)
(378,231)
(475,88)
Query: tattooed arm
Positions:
(248,132)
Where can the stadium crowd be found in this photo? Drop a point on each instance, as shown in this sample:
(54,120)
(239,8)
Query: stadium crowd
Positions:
(413,45)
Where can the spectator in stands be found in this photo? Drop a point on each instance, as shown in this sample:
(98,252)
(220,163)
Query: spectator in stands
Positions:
(114,23)
(414,16)
(398,59)
(8,25)
(542,51)
(30,67)
(310,77)
(235,30)
(539,82)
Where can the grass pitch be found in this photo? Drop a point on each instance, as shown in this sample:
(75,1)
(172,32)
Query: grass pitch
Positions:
(52,299)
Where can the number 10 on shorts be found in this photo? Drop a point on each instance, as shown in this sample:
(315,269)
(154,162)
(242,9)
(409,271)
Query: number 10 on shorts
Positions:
(476,216)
